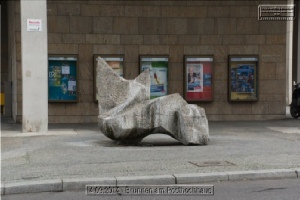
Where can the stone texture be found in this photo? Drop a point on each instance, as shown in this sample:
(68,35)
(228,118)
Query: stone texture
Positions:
(175,87)
(152,26)
(85,87)
(58,24)
(131,39)
(131,53)
(126,25)
(51,9)
(177,26)
(133,11)
(276,39)
(102,24)
(151,39)
(151,11)
(220,53)
(127,114)
(68,9)
(176,52)
(111,10)
(63,48)
(221,71)
(174,70)
(267,71)
(280,70)
(218,11)
(168,39)
(255,39)
(154,49)
(81,24)
(94,39)
(85,70)
(17,22)
(260,108)
(108,49)
(211,39)
(183,11)
(233,39)
(272,53)
(74,38)
(111,39)
(243,49)
(90,10)
(54,38)
(188,39)
(272,27)
(247,26)
(85,53)
(226,25)
(239,11)
(195,49)
(201,26)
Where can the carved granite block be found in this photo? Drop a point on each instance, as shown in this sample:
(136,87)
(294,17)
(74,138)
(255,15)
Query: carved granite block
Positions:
(127,114)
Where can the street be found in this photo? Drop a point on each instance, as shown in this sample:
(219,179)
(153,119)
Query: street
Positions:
(279,189)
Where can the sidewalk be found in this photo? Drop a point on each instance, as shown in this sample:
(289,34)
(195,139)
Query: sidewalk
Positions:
(70,156)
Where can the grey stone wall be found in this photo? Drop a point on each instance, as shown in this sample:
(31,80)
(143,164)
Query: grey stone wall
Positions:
(174,28)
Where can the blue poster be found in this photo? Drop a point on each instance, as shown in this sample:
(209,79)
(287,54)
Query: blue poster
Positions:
(158,68)
(62,79)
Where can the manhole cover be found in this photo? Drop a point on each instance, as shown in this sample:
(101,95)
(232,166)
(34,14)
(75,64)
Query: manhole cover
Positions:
(211,163)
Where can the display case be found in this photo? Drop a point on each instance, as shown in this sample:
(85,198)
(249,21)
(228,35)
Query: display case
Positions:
(243,78)
(62,78)
(198,78)
(158,68)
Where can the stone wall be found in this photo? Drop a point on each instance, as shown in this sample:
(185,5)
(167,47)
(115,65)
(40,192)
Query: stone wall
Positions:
(174,28)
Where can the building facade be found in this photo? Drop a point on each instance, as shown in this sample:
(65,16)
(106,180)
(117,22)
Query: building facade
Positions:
(133,28)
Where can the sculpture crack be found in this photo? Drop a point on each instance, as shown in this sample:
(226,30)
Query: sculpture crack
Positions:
(127,114)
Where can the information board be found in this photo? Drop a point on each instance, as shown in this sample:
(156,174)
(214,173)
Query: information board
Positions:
(198,74)
(158,68)
(243,78)
(62,78)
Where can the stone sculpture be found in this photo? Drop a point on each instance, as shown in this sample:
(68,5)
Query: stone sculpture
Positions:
(127,114)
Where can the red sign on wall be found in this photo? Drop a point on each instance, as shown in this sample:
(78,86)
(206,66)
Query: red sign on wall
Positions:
(198,72)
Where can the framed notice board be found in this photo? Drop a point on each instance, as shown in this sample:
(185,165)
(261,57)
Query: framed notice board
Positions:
(198,78)
(243,78)
(158,68)
(62,78)
(116,62)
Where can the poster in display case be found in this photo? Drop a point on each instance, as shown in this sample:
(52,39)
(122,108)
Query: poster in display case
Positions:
(198,78)
(243,78)
(116,62)
(158,68)
(62,78)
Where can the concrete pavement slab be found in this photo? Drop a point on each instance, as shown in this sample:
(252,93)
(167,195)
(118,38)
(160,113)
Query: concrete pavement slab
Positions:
(146,180)
(2,189)
(80,183)
(200,177)
(33,186)
(234,147)
(33,134)
(262,174)
(298,172)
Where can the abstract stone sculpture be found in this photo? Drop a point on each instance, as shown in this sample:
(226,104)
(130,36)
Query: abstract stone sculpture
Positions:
(127,114)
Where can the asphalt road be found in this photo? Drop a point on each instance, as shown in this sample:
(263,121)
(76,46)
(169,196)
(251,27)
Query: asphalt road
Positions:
(280,189)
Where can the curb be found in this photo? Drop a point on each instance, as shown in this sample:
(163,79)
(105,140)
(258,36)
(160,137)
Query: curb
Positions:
(67,184)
